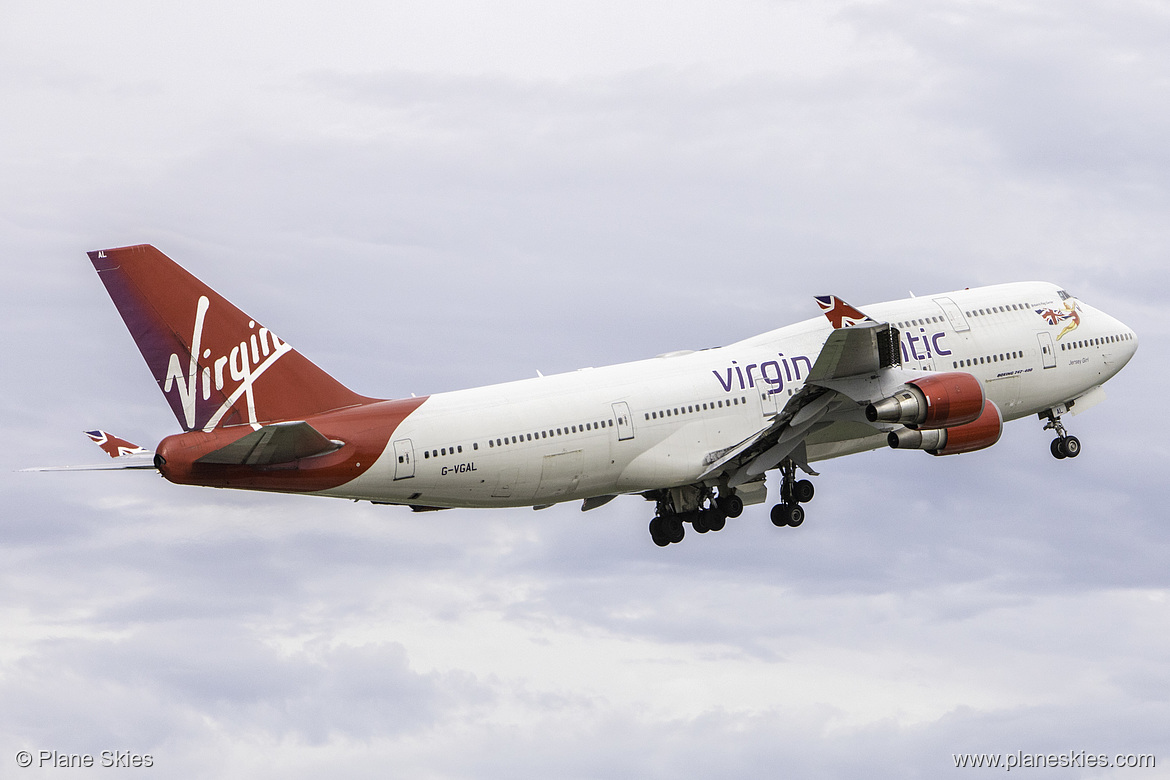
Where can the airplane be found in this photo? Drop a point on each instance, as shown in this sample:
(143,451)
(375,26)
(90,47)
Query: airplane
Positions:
(695,432)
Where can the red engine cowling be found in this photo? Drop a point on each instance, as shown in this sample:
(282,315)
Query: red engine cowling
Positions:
(977,435)
(938,401)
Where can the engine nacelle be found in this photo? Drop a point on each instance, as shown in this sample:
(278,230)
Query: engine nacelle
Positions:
(938,401)
(977,435)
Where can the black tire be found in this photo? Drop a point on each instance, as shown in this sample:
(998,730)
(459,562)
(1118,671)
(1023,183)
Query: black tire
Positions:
(1057,448)
(674,529)
(658,532)
(795,513)
(732,506)
(699,522)
(779,515)
(716,520)
(803,491)
(1072,446)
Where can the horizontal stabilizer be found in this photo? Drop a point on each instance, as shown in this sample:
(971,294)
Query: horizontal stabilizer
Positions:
(277,443)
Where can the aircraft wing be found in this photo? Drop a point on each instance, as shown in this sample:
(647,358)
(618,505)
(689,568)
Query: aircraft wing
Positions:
(143,461)
(123,454)
(859,360)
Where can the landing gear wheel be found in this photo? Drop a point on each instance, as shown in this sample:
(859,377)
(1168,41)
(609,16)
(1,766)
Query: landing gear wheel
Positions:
(674,531)
(716,520)
(699,522)
(803,491)
(791,515)
(779,515)
(1063,446)
(795,513)
(732,505)
(657,532)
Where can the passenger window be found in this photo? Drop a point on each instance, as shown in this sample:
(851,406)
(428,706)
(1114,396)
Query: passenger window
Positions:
(427,454)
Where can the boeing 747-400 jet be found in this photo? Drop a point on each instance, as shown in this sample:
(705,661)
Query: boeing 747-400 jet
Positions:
(695,432)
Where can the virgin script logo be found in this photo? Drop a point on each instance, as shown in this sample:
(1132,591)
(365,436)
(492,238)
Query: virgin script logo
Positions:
(244,364)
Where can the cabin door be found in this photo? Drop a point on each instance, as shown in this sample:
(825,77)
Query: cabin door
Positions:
(404,459)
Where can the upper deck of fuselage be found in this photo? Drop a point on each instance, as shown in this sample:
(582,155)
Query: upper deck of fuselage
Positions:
(987,310)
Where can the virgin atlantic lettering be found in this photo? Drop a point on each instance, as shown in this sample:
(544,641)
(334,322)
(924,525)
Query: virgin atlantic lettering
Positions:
(772,372)
(777,373)
(910,344)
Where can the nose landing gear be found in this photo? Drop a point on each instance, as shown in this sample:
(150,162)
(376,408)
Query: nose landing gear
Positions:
(1063,446)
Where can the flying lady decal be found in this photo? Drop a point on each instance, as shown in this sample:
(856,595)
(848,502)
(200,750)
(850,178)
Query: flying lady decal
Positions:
(1070,315)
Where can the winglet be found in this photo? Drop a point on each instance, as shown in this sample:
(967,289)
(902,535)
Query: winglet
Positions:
(840,313)
(114,446)
(126,455)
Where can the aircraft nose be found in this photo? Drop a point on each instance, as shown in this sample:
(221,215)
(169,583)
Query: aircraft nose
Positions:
(1129,341)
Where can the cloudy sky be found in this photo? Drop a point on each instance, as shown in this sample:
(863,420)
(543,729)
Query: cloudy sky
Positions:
(423,196)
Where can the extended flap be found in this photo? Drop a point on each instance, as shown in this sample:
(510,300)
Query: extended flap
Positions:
(861,349)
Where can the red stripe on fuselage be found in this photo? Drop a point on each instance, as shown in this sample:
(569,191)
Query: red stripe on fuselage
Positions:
(365,429)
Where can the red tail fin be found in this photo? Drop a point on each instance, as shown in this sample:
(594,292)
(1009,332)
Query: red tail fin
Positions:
(216,365)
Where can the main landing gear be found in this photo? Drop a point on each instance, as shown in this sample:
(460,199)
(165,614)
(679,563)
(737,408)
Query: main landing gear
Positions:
(704,511)
(793,493)
(1063,446)
(700,508)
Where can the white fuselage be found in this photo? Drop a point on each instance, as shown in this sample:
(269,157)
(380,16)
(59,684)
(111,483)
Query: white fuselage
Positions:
(659,423)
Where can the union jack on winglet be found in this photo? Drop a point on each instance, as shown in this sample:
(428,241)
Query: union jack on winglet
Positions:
(840,313)
(114,446)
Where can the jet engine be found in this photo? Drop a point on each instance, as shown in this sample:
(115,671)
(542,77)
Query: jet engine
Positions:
(977,435)
(938,401)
